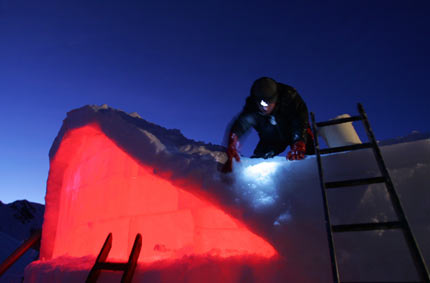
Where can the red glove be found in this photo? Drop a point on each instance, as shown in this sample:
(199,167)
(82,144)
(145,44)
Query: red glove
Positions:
(297,151)
(232,152)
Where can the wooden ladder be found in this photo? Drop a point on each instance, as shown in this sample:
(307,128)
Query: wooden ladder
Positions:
(402,222)
(128,267)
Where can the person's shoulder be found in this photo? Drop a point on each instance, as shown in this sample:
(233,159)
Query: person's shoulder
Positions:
(286,89)
(289,97)
(287,93)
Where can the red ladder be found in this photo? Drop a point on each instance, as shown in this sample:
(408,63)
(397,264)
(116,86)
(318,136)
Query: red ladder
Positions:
(128,267)
(34,240)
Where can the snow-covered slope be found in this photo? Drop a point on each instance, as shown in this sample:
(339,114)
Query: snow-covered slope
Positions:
(278,199)
(18,219)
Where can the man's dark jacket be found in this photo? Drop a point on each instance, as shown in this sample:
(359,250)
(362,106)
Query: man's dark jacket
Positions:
(287,124)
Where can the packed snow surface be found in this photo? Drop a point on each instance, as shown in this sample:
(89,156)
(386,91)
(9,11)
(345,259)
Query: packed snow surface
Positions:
(277,199)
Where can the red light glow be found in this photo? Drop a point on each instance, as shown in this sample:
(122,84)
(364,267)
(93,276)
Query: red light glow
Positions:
(95,188)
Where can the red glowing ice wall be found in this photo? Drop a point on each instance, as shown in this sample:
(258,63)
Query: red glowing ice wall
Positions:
(95,188)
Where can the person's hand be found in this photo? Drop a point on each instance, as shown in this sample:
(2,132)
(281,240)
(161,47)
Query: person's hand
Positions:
(297,151)
(232,152)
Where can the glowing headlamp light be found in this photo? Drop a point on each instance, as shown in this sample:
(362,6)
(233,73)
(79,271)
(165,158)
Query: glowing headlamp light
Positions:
(263,103)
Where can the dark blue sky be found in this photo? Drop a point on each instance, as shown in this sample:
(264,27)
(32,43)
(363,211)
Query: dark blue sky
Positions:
(190,64)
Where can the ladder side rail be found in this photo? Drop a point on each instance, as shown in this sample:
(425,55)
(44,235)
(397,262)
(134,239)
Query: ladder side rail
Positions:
(19,252)
(101,258)
(132,260)
(398,208)
(335,270)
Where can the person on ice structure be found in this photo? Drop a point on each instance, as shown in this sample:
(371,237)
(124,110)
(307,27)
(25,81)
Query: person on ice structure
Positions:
(279,115)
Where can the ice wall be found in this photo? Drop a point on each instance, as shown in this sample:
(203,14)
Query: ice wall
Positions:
(103,190)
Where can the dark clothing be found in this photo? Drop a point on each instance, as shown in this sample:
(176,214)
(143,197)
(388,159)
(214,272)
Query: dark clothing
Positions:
(287,124)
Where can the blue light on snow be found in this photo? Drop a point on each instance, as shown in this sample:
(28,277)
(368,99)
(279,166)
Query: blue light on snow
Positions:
(283,218)
(259,184)
(261,173)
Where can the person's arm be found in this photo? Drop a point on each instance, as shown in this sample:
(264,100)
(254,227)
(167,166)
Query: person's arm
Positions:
(240,126)
(243,123)
(299,125)
(299,119)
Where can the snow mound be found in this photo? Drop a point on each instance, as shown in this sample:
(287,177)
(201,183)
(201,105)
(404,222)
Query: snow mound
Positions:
(277,199)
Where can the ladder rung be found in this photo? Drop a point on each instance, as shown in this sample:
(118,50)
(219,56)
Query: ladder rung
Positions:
(356,182)
(111,266)
(345,148)
(367,226)
(381,281)
(339,121)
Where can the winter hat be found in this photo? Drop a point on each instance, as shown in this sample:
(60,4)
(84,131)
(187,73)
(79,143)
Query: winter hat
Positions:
(265,89)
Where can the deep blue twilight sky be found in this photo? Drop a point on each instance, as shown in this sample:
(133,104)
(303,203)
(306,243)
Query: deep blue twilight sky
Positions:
(190,64)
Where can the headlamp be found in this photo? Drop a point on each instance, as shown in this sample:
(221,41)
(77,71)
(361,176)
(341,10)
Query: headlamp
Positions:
(263,103)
